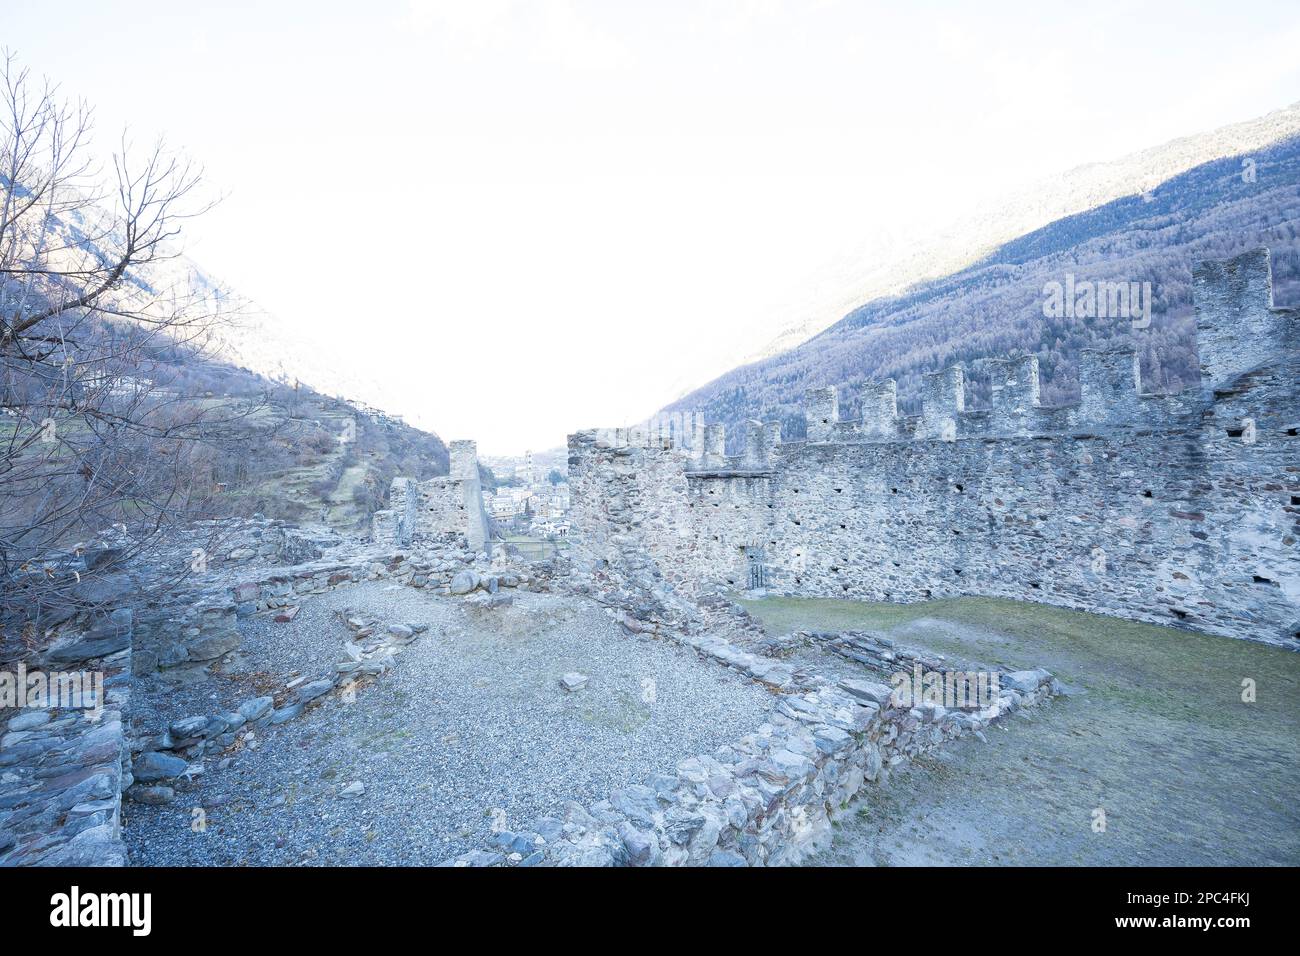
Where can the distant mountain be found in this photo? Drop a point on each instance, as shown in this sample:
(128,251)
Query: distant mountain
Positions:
(251,338)
(285,392)
(991,301)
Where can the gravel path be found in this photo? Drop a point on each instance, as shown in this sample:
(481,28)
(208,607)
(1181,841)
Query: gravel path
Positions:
(469,731)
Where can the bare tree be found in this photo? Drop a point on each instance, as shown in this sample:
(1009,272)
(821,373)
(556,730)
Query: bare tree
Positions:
(102,457)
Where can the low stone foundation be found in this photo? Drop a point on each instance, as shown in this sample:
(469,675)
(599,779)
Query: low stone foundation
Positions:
(201,625)
(768,799)
(63,772)
(172,753)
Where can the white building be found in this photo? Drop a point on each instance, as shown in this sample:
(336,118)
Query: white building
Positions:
(503,505)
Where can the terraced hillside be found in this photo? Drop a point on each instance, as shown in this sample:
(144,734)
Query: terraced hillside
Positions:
(320,459)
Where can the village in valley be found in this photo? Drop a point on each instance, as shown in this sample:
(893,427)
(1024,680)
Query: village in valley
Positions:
(531,498)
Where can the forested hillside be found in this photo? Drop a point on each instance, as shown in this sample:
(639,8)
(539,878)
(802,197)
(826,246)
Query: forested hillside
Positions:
(995,307)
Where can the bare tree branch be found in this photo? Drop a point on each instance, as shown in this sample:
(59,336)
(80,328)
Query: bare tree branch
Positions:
(104,453)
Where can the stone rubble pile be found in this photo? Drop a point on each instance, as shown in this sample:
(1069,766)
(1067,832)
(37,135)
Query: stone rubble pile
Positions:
(175,754)
(234,542)
(63,772)
(199,624)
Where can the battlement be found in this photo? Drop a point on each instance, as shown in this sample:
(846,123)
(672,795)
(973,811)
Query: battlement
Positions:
(1237,327)
(880,409)
(699,449)
(1110,382)
(1110,395)
(1015,391)
(822,411)
(943,399)
(760,444)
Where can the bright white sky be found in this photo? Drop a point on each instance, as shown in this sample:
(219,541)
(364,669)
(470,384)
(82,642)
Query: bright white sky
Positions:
(524,216)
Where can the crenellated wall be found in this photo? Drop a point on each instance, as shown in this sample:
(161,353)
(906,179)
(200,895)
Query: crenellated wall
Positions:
(1180,509)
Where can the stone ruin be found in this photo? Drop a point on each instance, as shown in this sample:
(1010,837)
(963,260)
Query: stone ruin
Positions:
(64,770)
(1179,509)
(446,506)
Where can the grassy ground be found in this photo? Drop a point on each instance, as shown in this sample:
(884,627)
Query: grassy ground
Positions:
(343,511)
(1155,735)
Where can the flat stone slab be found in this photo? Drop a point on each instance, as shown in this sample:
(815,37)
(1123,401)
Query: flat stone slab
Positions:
(869,691)
(573,681)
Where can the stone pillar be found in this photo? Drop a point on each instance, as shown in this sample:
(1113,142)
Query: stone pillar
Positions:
(715,440)
(771,441)
(1015,392)
(464,459)
(464,469)
(1237,328)
(880,409)
(754,458)
(821,411)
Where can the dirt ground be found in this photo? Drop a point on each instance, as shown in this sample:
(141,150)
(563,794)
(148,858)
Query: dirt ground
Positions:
(1152,757)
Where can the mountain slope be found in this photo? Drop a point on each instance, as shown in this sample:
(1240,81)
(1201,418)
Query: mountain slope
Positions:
(994,306)
(304,453)
(889,264)
(318,459)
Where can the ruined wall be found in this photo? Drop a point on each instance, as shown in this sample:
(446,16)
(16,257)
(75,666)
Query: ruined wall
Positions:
(64,756)
(1180,510)
(450,505)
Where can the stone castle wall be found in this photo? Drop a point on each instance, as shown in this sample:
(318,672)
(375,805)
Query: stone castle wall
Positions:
(1180,509)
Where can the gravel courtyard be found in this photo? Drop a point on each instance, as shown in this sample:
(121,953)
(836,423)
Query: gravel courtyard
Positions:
(469,731)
